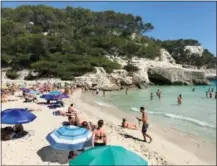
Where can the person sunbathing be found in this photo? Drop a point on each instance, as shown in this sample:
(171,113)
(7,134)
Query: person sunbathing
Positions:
(127,125)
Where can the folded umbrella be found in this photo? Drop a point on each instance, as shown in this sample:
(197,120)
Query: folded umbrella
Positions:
(70,138)
(16,116)
(108,155)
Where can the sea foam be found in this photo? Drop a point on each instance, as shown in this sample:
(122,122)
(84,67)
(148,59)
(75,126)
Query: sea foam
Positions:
(179,117)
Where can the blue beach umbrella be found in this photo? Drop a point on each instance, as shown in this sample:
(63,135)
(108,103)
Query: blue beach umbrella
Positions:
(16,116)
(70,138)
(47,97)
(25,89)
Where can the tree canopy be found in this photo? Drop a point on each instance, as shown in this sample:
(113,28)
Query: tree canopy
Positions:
(72,41)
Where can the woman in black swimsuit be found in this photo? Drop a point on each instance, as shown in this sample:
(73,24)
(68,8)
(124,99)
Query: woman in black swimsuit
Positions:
(99,135)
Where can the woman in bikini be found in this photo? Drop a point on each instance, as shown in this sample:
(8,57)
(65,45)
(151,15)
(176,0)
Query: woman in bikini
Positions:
(127,125)
(99,136)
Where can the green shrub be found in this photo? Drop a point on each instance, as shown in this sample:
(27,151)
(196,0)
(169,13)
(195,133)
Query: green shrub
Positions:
(12,74)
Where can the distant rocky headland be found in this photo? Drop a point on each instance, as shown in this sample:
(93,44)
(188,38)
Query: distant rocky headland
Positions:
(105,50)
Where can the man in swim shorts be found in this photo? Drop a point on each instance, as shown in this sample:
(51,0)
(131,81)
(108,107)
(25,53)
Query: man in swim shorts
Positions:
(145,125)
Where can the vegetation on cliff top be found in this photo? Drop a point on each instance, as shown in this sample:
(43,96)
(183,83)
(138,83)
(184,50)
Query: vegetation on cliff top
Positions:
(72,41)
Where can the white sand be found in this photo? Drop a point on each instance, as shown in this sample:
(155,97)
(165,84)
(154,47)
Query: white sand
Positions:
(35,150)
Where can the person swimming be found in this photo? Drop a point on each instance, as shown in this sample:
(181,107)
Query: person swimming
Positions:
(180,99)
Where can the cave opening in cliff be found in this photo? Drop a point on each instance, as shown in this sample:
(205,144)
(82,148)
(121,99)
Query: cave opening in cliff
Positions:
(159,81)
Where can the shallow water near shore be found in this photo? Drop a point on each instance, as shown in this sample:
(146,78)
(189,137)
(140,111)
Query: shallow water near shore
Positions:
(196,116)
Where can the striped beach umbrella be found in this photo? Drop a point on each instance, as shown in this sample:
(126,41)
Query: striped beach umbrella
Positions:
(70,138)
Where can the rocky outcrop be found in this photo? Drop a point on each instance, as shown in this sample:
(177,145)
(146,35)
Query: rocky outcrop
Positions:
(176,76)
(166,57)
(198,50)
(98,80)
(162,70)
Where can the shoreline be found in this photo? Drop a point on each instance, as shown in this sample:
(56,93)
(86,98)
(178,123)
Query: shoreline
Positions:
(200,152)
(166,148)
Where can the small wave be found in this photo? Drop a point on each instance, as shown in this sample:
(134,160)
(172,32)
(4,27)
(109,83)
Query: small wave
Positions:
(102,104)
(179,117)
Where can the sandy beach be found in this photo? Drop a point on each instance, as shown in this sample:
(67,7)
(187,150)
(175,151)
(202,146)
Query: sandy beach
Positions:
(169,147)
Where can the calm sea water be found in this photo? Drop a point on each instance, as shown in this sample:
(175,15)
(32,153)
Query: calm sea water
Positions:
(196,115)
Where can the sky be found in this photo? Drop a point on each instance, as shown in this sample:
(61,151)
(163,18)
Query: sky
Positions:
(172,20)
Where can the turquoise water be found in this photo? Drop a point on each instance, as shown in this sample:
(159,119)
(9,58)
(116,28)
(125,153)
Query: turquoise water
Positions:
(196,115)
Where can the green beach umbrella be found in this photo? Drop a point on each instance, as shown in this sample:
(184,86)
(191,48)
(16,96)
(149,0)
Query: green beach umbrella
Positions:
(108,155)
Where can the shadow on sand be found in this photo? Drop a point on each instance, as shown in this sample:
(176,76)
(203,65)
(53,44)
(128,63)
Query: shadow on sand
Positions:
(49,154)
(132,137)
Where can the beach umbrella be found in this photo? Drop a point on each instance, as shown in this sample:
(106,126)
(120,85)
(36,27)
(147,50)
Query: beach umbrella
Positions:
(25,89)
(47,97)
(61,96)
(55,92)
(70,138)
(108,155)
(16,116)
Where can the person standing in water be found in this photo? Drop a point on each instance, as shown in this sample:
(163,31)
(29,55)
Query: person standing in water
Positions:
(152,96)
(180,99)
(97,91)
(210,94)
(145,125)
(193,89)
(158,93)
(103,93)
(126,92)
(215,95)
(212,90)
(207,94)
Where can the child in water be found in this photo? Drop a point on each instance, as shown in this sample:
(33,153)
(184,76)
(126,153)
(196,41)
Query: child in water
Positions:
(180,99)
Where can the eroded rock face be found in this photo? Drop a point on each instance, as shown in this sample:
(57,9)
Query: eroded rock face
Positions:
(195,50)
(178,76)
(98,80)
